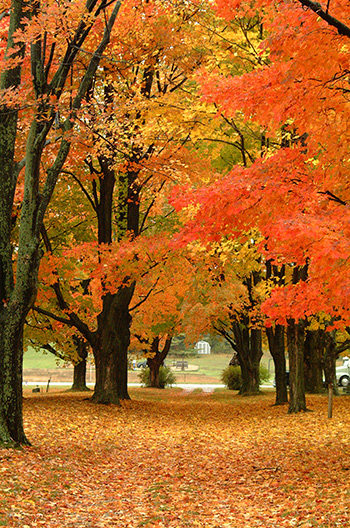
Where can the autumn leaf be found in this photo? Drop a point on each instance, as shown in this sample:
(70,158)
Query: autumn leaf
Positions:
(214,460)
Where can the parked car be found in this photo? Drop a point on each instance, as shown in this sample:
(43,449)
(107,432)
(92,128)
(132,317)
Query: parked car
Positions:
(142,364)
(342,373)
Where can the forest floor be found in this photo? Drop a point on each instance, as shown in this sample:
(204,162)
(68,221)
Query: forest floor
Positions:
(173,459)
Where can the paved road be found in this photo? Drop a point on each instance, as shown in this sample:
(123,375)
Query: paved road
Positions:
(188,387)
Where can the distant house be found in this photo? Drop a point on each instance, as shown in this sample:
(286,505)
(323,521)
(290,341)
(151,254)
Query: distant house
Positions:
(202,347)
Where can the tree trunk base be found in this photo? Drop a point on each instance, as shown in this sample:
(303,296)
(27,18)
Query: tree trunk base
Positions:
(14,445)
(6,442)
(78,389)
(14,438)
(125,397)
(105,399)
(295,410)
(250,393)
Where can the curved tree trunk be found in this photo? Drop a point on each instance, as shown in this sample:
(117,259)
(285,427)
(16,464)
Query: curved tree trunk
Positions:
(156,360)
(79,374)
(275,338)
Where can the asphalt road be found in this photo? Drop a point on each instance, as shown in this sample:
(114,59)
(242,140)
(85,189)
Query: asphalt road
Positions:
(188,387)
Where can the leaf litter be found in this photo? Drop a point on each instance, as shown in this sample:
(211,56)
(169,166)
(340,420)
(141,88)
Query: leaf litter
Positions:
(170,459)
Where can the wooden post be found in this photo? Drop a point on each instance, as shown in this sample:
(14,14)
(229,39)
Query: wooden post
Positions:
(330,400)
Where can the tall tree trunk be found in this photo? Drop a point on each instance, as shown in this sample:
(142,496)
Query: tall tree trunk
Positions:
(329,361)
(295,339)
(17,296)
(11,421)
(110,347)
(11,310)
(249,352)
(156,360)
(314,347)
(275,338)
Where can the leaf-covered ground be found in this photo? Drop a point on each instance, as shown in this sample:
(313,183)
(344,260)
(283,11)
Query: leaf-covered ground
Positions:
(172,459)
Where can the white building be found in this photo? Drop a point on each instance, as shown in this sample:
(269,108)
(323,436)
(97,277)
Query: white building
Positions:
(202,347)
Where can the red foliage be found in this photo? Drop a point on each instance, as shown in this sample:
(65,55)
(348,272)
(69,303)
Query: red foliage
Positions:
(297,197)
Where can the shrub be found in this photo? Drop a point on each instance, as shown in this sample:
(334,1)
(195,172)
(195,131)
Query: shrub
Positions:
(264,374)
(231,376)
(166,377)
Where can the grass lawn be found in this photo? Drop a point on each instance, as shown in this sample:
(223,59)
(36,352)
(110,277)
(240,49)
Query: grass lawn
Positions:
(168,459)
(211,364)
(206,368)
(39,360)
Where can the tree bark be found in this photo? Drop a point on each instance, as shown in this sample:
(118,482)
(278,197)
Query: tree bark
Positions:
(111,346)
(275,338)
(295,339)
(314,347)
(156,360)
(79,374)
(329,361)
(249,352)
(11,419)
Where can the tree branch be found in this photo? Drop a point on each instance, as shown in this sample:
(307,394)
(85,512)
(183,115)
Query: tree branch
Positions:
(317,8)
(145,297)
(86,193)
(53,316)
(53,351)
(342,347)
(333,197)
(74,319)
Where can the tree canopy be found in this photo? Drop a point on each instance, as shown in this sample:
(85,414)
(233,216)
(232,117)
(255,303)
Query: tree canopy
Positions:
(144,140)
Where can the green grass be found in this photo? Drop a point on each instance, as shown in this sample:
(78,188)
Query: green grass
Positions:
(212,364)
(39,360)
(209,365)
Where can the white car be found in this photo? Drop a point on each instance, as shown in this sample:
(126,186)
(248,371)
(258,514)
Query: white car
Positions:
(343,373)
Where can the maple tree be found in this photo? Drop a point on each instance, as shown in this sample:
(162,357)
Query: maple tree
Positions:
(155,322)
(232,285)
(44,48)
(235,273)
(296,193)
(138,120)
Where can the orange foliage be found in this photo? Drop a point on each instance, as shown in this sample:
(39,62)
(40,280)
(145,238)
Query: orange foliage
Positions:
(297,197)
(196,460)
